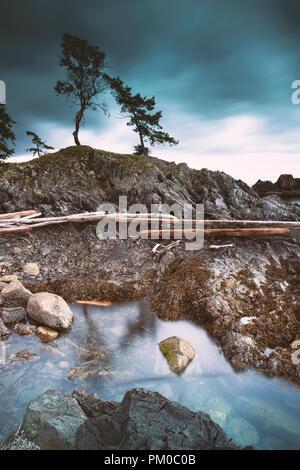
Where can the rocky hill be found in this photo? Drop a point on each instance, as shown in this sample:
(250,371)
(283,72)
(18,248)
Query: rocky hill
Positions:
(78,179)
(285,186)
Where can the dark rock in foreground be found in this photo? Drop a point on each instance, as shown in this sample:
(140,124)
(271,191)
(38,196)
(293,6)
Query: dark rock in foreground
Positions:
(144,420)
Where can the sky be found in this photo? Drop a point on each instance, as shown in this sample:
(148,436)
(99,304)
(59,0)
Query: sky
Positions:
(221,72)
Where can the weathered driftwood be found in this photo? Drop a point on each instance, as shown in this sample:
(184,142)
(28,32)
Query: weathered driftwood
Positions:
(217,247)
(219,232)
(17,214)
(101,303)
(18,222)
(12,229)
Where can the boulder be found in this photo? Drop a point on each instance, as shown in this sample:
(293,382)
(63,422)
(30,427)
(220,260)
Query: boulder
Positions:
(147,420)
(50,310)
(12,315)
(15,290)
(144,420)
(51,421)
(45,334)
(178,352)
(31,269)
(8,278)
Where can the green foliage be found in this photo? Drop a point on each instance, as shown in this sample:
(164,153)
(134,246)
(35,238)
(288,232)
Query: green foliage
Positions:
(140,110)
(40,146)
(7,136)
(84,64)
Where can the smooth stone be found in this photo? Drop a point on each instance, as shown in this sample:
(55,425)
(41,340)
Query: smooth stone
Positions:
(31,269)
(178,352)
(45,334)
(50,310)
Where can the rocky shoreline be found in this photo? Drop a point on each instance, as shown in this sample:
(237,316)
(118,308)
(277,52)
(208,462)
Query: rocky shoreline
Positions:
(246,296)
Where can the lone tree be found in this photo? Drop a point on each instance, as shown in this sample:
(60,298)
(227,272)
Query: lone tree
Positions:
(84,65)
(40,146)
(142,119)
(7,136)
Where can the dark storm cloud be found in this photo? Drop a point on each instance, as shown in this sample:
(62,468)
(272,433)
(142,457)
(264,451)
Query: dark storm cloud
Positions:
(213,58)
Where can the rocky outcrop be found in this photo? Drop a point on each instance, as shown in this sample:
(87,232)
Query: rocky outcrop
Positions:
(144,420)
(178,352)
(285,186)
(50,310)
(51,421)
(78,179)
(15,291)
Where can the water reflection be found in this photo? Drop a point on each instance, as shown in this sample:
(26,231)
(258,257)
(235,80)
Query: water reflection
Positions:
(112,349)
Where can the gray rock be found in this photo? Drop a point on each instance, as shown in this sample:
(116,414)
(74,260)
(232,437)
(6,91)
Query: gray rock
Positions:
(15,290)
(50,310)
(51,421)
(144,420)
(12,315)
(31,269)
(178,352)
(147,420)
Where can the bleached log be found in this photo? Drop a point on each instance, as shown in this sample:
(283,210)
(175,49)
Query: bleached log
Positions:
(219,232)
(17,214)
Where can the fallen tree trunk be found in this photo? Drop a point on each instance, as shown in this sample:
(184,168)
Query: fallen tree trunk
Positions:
(219,232)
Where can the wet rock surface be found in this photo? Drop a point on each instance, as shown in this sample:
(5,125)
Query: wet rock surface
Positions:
(144,420)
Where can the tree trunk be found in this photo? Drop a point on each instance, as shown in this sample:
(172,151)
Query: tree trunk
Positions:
(77,126)
(142,143)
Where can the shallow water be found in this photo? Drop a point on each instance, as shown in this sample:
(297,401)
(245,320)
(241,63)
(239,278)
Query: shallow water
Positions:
(253,409)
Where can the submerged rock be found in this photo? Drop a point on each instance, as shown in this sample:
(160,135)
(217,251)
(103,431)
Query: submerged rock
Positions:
(45,334)
(50,310)
(178,352)
(144,420)
(24,330)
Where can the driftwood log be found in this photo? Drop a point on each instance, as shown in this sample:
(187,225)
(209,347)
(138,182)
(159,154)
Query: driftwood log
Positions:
(219,232)
(158,224)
